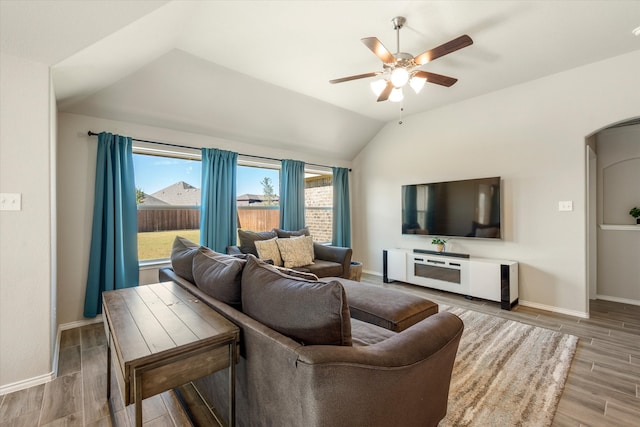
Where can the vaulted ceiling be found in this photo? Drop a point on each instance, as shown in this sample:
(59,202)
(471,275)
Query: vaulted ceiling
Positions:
(258,71)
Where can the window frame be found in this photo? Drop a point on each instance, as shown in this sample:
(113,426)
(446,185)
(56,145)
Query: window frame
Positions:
(185,153)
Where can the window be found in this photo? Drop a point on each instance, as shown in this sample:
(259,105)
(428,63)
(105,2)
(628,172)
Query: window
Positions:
(257,197)
(318,202)
(168,199)
(168,196)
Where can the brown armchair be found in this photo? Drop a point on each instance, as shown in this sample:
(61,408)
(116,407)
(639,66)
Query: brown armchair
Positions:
(329,261)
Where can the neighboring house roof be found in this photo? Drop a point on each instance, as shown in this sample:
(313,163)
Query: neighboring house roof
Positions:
(179,194)
(184,194)
(152,201)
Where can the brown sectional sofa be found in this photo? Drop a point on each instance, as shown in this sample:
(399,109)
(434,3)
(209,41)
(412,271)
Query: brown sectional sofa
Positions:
(323,353)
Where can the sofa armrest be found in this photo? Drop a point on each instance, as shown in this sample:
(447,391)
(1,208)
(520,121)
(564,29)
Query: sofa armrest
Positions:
(403,380)
(413,345)
(335,254)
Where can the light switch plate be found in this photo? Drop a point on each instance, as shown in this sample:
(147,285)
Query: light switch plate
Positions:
(565,206)
(10,201)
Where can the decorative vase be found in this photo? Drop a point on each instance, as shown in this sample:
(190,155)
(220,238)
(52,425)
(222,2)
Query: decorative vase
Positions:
(440,248)
(638,220)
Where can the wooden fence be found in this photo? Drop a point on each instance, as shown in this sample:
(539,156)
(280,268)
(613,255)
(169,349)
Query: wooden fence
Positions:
(259,219)
(163,218)
(264,218)
(188,218)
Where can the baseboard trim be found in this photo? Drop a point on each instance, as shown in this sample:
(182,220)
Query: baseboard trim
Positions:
(31,382)
(555,309)
(41,379)
(618,299)
(79,323)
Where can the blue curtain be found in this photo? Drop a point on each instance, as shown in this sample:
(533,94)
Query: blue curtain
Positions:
(218,214)
(341,209)
(113,259)
(292,195)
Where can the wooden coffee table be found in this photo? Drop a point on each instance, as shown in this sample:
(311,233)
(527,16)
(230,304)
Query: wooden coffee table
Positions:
(161,337)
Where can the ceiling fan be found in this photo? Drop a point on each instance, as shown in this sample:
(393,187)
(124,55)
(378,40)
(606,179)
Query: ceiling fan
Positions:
(402,68)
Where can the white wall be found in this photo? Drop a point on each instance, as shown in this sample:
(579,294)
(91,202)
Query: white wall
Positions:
(533,136)
(76,175)
(618,158)
(25,236)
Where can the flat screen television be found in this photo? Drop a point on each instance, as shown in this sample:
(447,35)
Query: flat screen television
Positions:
(467,208)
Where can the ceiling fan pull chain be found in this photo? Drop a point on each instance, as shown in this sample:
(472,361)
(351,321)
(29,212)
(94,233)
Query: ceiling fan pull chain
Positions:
(401,110)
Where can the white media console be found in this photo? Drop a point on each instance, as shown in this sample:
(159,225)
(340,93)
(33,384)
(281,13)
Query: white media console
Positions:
(490,279)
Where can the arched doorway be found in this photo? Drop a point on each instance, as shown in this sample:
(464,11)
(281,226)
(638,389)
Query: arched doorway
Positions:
(613,188)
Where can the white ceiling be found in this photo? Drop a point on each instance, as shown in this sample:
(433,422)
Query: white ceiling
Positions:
(258,71)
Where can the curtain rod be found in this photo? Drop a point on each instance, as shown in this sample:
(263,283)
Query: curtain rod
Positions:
(91,133)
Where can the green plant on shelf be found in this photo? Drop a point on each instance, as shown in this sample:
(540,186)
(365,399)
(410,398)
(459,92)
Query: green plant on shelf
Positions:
(438,241)
(635,212)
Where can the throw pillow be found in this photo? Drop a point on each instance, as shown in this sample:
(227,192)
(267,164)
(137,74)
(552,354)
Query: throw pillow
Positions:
(310,312)
(218,275)
(283,234)
(248,238)
(268,249)
(296,252)
(182,254)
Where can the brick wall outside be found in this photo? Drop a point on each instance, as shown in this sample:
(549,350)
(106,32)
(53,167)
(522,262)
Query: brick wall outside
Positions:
(319,212)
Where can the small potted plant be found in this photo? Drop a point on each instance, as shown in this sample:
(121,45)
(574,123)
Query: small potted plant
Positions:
(439,243)
(635,212)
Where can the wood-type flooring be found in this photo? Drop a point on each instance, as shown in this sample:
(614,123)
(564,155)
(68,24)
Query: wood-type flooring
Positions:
(602,389)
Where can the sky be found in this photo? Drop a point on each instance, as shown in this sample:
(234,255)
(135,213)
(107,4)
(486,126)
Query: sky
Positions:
(154,173)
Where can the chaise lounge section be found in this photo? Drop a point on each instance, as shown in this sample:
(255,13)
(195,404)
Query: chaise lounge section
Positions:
(311,357)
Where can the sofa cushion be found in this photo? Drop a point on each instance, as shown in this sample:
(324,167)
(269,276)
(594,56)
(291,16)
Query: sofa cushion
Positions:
(218,275)
(182,254)
(248,238)
(284,234)
(296,251)
(365,334)
(268,249)
(322,268)
(310,312)
(385,307)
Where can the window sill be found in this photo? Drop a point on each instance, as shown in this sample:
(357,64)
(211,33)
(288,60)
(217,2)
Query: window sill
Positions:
(154,264)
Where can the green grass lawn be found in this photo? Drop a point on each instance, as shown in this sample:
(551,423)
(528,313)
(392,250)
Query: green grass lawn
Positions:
(157,244)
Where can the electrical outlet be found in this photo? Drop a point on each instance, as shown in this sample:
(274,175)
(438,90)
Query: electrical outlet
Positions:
(10,201)
(565,206)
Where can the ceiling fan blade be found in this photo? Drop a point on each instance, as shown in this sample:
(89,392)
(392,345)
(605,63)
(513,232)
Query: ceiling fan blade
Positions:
(436,78)
(379,50)
(356,77)
(386,92)
(444,49)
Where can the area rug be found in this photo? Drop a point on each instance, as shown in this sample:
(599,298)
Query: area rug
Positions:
(506,373)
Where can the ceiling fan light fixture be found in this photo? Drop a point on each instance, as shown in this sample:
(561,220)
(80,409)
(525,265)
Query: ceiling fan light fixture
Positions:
(401,68)
(417,83)
(396,95)
(399,77)
(377,86)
